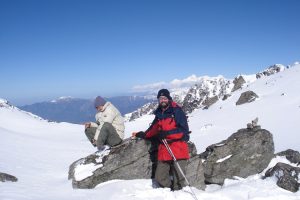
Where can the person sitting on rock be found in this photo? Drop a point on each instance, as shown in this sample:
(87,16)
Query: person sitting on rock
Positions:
(170,123)
(109,126)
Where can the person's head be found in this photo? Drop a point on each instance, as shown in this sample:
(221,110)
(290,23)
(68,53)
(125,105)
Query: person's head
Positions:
(164,98)
(99,103)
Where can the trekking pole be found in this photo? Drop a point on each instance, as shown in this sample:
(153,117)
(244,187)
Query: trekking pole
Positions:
(178,166)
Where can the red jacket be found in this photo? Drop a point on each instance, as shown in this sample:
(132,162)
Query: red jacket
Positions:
(173,123)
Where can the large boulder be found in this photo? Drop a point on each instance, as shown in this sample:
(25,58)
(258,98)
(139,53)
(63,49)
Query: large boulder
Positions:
(7,177)
(244,153)
(287,176)
(247,97)
(133,159)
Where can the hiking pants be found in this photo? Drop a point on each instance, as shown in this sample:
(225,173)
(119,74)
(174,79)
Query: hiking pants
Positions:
(165,169)
(108,135)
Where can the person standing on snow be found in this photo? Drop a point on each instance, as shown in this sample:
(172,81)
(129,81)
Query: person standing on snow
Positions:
(170,123)
(109,127)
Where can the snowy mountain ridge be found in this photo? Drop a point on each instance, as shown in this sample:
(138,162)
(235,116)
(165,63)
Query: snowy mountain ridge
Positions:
(7,105)
(206,90)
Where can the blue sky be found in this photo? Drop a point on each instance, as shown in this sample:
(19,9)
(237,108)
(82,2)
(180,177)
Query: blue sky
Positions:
(53,48)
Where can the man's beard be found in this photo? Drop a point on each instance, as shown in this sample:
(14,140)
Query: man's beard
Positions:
(164,105)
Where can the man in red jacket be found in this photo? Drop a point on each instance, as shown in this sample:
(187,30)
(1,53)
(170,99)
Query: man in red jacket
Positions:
(170,123)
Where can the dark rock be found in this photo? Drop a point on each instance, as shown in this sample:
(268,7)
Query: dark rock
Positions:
(210,101)
(291,155)
(193,99)
(271,70)
(201,94)
(287,176)
(7,177)
(130,160)
(247,97)
(254,124)
(244,153)
(238,83)
(225,97)
(146,109)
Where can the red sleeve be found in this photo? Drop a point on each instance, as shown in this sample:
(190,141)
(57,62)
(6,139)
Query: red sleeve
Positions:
(152,131)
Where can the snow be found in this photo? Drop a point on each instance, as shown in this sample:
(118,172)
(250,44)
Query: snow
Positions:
(39,153)
(85,170)
(249,78)
(223,159)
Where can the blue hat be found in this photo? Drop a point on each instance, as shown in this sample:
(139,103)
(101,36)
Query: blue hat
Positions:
(99,101)
(164,92)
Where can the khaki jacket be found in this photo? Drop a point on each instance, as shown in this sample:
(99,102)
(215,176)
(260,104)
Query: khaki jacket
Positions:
(111,115)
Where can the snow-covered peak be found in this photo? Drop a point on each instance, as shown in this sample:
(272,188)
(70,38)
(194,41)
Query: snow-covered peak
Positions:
(62,99)
(5,103)
(174,85)
(8,107)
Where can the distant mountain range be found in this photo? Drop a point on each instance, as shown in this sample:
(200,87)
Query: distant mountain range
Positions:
(76,110)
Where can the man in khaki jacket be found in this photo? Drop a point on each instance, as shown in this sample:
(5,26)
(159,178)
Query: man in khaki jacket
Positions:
(109,127)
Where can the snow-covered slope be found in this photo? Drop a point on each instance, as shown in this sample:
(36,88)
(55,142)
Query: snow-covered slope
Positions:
(278,110)
(39,153)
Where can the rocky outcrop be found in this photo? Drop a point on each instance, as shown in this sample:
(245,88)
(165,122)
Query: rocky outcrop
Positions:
(291,155)
(247,97)
(287,176)
(244,153)
(146,109)
(206,93)
(271,70)
(238,83)
(7,177)
(210,101)
(133,159)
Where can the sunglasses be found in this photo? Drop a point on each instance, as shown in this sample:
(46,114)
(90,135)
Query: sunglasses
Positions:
(163,98)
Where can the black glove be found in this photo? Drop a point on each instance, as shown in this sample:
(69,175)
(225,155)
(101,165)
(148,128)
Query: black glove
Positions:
(140,134)
(162,135)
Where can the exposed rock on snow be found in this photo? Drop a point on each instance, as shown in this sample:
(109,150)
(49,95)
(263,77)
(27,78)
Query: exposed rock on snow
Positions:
(7,177)
(206,93)
(210,101)
(130,160)
(291,155)
(271,70)
(244,153)
(247,97)
(238,83)
(146,109)
(247,152)
(287,176)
